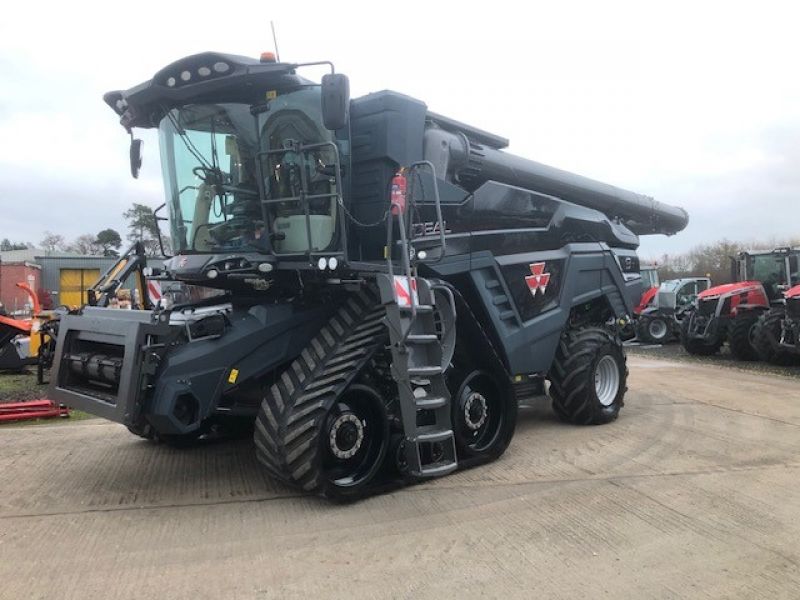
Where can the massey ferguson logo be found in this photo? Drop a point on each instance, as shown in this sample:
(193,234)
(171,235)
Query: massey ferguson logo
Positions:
(537,281)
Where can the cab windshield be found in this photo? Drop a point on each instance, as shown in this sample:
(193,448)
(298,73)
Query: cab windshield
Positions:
(236,181)
(767,268)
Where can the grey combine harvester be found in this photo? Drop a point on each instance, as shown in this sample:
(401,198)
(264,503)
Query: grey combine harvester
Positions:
(395,283)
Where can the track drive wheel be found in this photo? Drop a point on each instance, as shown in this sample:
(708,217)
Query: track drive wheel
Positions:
(588,377)
(697,346)
(742,336)
(484,415)
(322,426)
(765,339)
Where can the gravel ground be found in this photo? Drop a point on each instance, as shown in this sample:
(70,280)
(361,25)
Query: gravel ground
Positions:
(692,493)
(675,351)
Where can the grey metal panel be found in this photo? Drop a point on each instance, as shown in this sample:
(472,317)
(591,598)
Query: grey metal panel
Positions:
(52,266)
(590,271)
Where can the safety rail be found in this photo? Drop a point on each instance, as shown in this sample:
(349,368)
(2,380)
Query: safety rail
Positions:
(303,198)
(401,202)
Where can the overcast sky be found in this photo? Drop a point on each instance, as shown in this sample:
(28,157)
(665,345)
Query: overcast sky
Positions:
(696,104)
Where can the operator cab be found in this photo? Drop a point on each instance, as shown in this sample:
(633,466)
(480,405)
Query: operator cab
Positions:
(777,270)
(251,165)
(212,156)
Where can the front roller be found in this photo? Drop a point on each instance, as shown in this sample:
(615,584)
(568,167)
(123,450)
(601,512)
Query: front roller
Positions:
(322,426)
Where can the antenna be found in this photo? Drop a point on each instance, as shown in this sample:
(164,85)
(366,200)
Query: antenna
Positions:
(275,41)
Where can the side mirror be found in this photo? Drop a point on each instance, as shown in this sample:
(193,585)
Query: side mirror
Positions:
(335,100)
(136,157)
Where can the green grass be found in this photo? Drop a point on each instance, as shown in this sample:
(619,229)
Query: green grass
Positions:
(22,387)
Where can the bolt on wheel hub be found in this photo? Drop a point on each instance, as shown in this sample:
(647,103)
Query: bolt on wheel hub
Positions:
(346,436)
(475,411)
(606,380)
(658,329)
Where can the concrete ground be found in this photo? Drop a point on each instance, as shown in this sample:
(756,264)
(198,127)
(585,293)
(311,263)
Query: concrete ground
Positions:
(693,493)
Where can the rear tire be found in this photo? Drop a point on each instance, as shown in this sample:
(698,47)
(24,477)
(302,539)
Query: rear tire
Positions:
(741,336)
(588,377)
(696,346)
(766,338)
(653,330)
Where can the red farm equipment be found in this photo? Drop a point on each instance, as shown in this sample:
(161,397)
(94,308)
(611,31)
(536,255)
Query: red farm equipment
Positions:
(777,338)
(732,312)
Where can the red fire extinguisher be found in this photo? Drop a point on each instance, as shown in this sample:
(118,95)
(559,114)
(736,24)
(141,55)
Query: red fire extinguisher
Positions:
(398,195)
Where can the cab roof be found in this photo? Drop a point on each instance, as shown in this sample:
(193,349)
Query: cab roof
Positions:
(208,77)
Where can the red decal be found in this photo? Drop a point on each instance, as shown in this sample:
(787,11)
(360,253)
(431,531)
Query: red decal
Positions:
(402,291)
(537,281)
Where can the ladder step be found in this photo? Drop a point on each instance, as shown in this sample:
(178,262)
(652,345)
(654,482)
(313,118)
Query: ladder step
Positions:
(430,402)
(438,469)
(500,299)
(421,308)
(507,314)
(424,371)
(441,435)
(492,283)
(422,338)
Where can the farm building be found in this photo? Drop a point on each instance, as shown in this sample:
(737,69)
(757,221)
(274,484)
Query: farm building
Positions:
(57,278)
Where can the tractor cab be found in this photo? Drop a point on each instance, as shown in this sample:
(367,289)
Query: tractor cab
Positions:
(777,270)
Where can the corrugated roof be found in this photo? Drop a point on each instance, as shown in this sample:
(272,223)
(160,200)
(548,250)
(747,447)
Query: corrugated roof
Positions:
(26,255)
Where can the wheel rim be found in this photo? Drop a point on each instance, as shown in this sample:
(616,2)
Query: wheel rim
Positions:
(355,438)
(606,380)
(657,329)
(479,412)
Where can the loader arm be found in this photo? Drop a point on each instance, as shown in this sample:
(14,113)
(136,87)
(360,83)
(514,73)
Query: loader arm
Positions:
(131,262)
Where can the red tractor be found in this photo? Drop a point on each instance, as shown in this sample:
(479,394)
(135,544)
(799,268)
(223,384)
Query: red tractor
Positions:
(732,311)
(650,283)
(777,338)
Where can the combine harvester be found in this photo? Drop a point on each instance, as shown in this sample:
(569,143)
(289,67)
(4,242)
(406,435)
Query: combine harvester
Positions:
(396,282)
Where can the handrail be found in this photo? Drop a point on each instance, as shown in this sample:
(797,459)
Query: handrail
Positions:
(437,202)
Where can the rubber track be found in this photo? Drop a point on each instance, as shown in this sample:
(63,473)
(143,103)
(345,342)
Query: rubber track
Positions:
(293,410)
(569,377)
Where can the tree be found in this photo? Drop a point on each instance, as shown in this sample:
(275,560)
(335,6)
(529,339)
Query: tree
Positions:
(712,259)
(7,244)
(52,242)
(142,226)
(109,241)
(84,244)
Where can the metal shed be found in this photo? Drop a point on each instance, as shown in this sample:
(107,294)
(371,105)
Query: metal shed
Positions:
(67,278)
